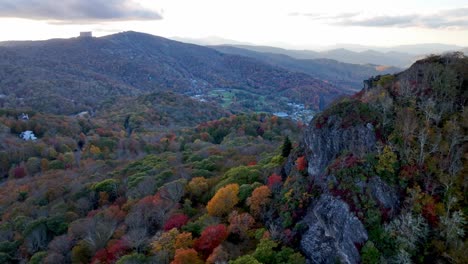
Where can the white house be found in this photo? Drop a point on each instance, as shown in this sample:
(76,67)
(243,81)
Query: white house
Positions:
(28,135)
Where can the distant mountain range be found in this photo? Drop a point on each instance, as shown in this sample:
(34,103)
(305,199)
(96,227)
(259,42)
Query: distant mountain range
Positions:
(72,75)
(346,75)
(401,56)
(414,49)
(396,59)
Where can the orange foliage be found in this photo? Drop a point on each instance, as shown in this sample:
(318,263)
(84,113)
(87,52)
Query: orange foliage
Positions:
(259,199)
(183,240)
(301,163)
(224,200)
(185,256)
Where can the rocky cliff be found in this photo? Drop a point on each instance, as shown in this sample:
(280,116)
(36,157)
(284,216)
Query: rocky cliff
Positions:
(323,144)
(333,232)
(376,157)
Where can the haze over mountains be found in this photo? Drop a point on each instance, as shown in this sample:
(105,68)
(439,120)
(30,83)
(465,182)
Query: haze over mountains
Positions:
(342,74)
(401,56)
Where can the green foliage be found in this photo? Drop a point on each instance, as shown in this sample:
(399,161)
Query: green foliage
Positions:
(57,224)
(134,258)
(56,165)
(246,259)
(108,185)
(385,80)
(81,253)
(4,258)
(387,162)
(350,111)
(38,258)
(240,175)
(245,190)
(265,251)
(370,254)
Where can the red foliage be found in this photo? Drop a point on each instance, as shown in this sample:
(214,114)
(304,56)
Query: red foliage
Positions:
(100,257)
(274,181)
(176,221)
(409,171)
(252,163)
(429,212)
(301,163)
(347,161)
(321,121)
(92,213)
(19,172)
(210,238)
(112,253)
(103,132)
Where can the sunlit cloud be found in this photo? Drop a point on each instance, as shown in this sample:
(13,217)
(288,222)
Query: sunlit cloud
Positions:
(77,11)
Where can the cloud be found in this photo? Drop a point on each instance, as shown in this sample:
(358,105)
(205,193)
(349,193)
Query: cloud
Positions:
(77,11)
(452,18)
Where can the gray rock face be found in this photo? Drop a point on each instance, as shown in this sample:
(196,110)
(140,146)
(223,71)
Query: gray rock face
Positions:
(326,143)
(384,194)
(333,232)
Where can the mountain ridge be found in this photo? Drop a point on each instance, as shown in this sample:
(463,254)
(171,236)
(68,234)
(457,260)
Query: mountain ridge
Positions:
(132,63)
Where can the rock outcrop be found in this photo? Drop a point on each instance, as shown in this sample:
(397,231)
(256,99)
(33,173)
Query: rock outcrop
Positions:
(324,144)
(385,195)
(333,232)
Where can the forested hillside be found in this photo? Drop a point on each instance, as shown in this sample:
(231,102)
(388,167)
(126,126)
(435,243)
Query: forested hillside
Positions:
(67,76)
(343,75)
(377,177)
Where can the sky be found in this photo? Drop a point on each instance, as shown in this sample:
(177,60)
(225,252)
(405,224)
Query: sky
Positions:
(289,24)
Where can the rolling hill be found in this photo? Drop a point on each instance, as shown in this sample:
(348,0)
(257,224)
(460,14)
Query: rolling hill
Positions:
(71,75)
(345,75)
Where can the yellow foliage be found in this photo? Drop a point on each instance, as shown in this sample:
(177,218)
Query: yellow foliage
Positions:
(94,150)
(224,200)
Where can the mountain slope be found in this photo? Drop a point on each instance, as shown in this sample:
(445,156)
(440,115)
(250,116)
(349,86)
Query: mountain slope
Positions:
(78,74)
(347,76)
(390,58)
(391,165)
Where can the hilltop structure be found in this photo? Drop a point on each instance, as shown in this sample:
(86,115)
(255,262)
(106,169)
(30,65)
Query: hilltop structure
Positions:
(86,34)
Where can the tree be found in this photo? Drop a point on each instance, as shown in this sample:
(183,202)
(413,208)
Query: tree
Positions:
(224,200)
(185,256)
(210,238)
(246,259)
(176,221)
(301,163)
(219,255)
(286,147)
(81,253)
(370,254)
(265,251)
(274,182)
(386,163)
(198,186)
(259,200)
(165,242)
(239,224)
(183,240)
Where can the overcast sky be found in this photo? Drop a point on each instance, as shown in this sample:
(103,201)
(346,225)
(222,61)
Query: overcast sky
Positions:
(292,23)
